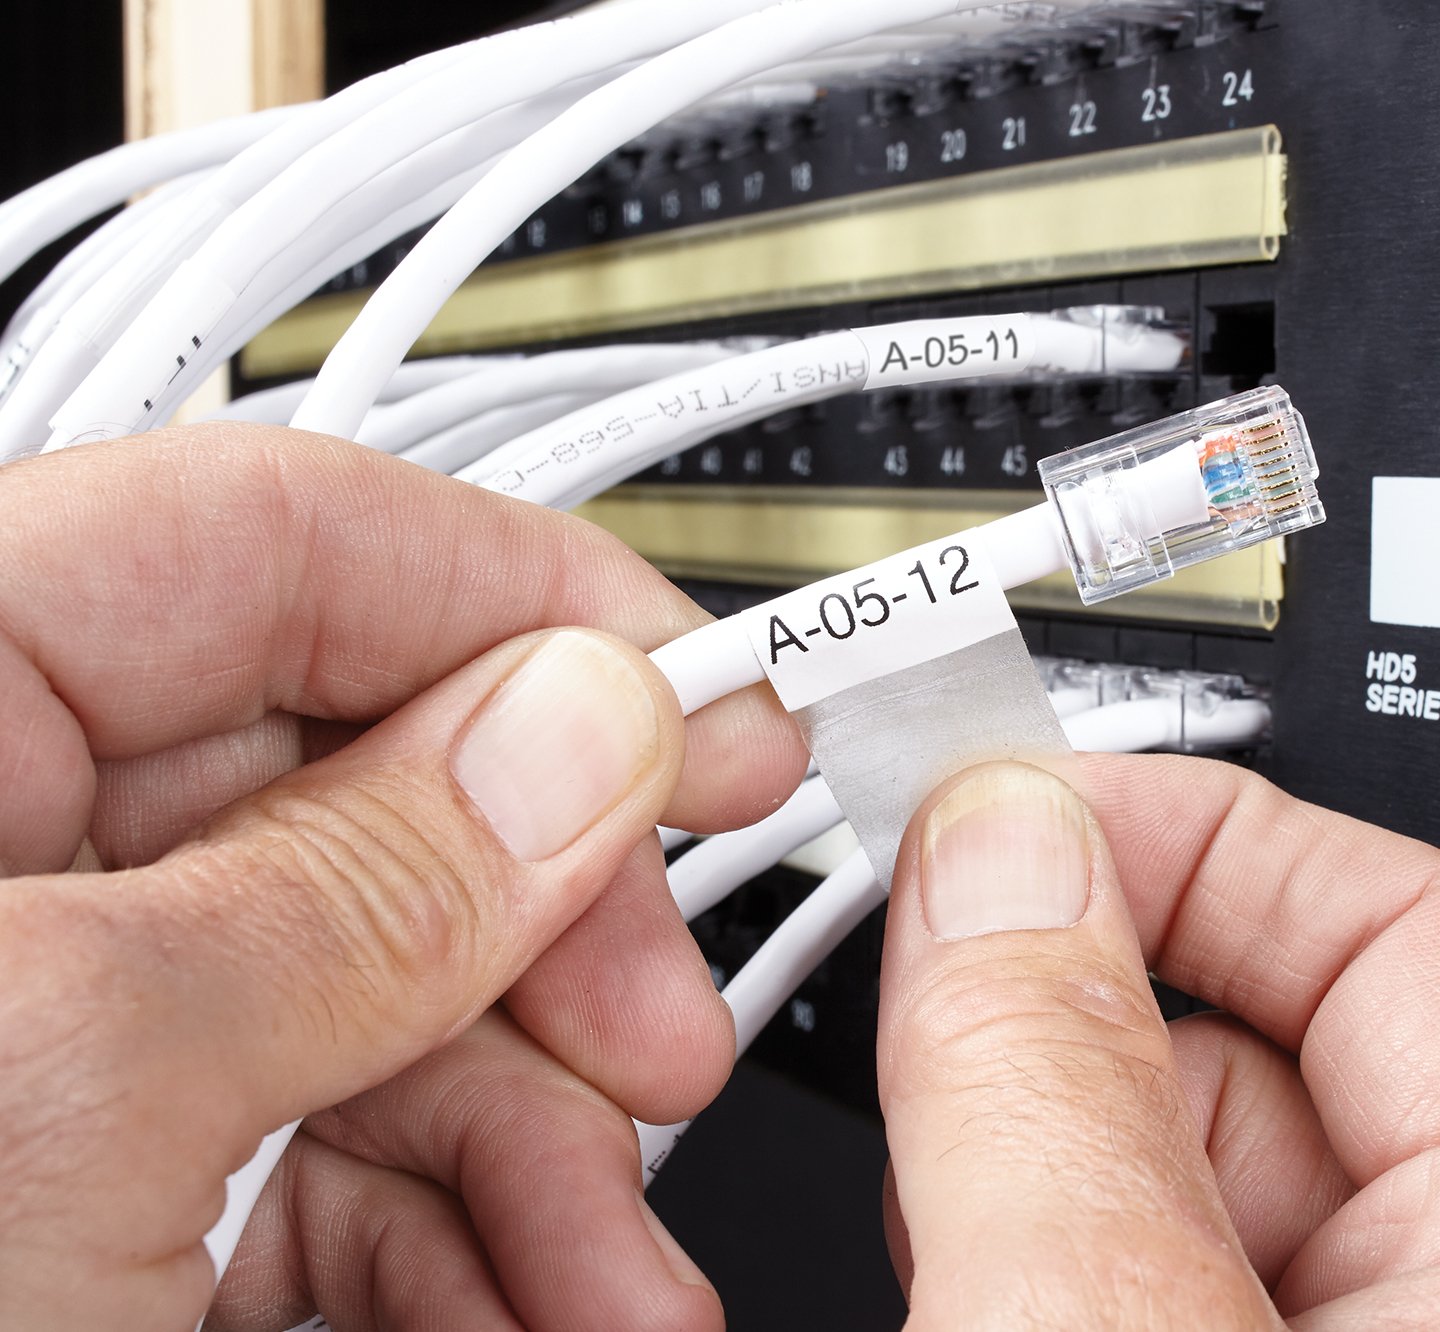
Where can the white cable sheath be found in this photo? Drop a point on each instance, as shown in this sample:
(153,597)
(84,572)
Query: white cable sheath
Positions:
(718,659)
(495,74)
(582,455)
(599,369)
(275,406)
(106,310)
(1166,723)
(446,450)
(555,157)
(72,353)
(779,967)
(100,250)
(717,866)
(426,184)
(31,220)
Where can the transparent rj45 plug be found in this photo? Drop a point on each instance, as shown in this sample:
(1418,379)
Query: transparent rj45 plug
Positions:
(1137,507)
(1215,711)
(1108,340)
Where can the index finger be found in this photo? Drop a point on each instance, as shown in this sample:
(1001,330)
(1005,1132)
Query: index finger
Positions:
(1316,929)
(187,583)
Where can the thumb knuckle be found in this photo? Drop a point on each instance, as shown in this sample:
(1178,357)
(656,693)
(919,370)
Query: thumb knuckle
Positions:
(348,879)
(1033,1024)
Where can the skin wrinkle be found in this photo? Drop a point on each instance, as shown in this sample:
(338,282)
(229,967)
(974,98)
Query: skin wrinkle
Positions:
(934,1010)
(291,912)
(1216,844)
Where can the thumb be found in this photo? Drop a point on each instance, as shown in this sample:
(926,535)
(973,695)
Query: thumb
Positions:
(401,886)
(1046,1164)
(327,931)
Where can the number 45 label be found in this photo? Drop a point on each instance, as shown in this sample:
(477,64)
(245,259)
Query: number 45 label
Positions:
(856,627)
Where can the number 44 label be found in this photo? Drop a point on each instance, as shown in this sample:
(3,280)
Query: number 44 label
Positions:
(856,627)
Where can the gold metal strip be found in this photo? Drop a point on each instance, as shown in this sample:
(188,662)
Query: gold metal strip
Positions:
(779,538)
(1218,199)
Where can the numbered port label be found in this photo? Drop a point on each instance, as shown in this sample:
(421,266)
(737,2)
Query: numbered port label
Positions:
(1157,104)
(1082,119)
(1239,87)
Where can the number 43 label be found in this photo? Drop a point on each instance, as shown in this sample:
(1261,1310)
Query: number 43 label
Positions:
(860,626)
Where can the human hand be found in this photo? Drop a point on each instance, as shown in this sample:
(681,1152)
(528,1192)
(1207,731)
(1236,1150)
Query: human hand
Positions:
(1060,1158)
(281,676)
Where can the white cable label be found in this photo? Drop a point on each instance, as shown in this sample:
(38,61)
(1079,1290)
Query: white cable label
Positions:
(929,351)
(901,612)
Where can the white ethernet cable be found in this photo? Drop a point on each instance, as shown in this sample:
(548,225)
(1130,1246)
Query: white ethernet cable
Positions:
(779,967)
(1120,514)
(425,396)
(717,866)
(337,244)
(260,158)
(448,449)
(80,267)
(604,370)
(99,254)
(557,155)
(578,457)
(426,183)
(1123,513)
(32,219)
(495,74)
(672,839)
(275,406)
(1181,715)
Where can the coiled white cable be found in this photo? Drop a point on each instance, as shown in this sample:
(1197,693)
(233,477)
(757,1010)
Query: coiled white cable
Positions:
(426,183)
(601,370)
(495,74)
(84,263)
(32,219)
(275,406)
(717,866)
(447,449)
(584,454)
(556,156)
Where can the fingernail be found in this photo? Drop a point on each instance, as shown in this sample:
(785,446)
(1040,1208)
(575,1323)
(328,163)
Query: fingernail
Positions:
(1007,849)
(676,1259)
(558,745)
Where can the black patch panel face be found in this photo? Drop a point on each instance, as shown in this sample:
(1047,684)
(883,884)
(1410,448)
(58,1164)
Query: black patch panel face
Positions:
(1123,84)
